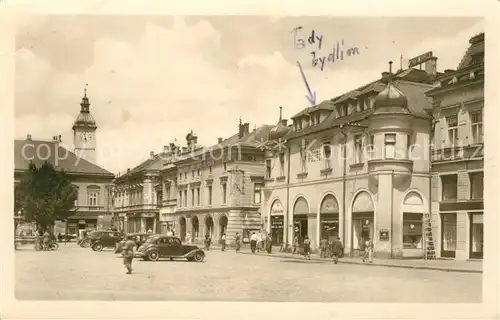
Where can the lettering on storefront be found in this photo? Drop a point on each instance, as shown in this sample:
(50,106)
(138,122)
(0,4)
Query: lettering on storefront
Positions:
(277,208)
(420,59)
(384,235)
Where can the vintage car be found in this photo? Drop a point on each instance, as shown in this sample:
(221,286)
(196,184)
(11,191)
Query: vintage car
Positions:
(163,246)
(139,239)
(104,239)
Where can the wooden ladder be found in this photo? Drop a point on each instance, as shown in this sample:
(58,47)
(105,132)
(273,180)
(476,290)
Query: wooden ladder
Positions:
(430,251)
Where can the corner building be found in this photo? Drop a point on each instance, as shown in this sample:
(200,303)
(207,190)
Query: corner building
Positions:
(356,166)
(458,157)
(215,190)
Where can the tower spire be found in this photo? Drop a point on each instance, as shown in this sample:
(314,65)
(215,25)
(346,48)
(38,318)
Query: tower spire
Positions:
(85,90)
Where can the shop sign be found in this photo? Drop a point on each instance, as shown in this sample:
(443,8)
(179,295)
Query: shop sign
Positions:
(419,59)
(277,208)
(329,221)
(384,235)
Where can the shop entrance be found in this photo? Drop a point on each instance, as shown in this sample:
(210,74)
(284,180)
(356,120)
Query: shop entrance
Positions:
(329,219)
(300,211)
(277,223)
(362,222)
(476,236)
(448,235)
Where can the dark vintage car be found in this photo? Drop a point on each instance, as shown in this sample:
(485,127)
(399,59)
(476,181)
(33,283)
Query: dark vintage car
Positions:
(139,239)
(104,239)
(162,246)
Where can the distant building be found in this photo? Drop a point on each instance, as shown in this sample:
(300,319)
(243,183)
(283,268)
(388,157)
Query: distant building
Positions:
(94,183)
(379,192)
(138,195)
(216,190)
(458,156)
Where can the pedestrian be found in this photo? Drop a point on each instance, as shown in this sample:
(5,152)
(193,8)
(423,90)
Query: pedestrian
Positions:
(237,240)
(128,253)
(253,242)
(259,242)
(368,253)
(188,237)
(295,244)
(337,249)
(307,247)
(223,242)
(207,242)
(46,240)
(269,244)
(323,247)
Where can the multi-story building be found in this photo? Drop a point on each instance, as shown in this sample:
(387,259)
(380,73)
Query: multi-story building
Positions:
(216,190)
(138,194)
(94,183)
(457,166)
(355,167)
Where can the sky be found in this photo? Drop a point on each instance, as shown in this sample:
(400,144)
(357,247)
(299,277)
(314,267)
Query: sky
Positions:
(152,79)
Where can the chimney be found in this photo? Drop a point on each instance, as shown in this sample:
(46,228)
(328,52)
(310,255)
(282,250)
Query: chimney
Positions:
(28,136)
(60,138)
(219,140)
(385,76)
(128,170)
(152,154)
(431,66)
(284,122)
(244,129)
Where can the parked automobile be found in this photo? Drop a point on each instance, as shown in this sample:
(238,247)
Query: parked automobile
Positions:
(139,239)
(163,246)
(104,239)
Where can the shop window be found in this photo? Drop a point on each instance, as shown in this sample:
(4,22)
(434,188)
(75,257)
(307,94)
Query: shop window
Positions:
(449,232)
(412,231)
(477,235)
(390,146)
(449,186)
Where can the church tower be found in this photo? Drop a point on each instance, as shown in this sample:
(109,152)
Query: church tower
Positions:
(84,129)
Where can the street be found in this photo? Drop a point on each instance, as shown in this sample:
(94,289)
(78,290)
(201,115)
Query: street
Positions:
(74,273)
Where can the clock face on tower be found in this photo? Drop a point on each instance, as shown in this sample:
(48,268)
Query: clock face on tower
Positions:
(86,136)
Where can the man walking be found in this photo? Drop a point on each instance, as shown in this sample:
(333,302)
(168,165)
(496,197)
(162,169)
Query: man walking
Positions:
(253,242)
(128,253)
(223,242)
(336,250)
(207,242)
(323,247)
(295,244)
(237,242)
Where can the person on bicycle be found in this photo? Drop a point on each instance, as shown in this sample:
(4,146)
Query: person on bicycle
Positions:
(46,240)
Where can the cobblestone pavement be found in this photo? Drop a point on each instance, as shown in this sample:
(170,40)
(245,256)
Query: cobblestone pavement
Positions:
(74,273)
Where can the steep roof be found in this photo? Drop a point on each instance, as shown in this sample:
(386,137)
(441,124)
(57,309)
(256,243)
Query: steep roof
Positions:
(414,92)
(39,151)
(476,48)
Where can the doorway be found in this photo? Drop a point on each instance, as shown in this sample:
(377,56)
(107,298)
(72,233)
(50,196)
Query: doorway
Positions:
(448,235)
(476,240)
(182,231)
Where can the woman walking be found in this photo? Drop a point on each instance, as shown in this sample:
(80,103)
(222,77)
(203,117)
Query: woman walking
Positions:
(223,242)
(269,243)
(237,241)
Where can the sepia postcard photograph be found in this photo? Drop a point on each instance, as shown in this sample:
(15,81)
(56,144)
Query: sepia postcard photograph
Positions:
(250,158)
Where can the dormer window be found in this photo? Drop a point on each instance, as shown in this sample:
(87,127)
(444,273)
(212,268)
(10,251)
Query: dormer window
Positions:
(361,104)
(344,110)
(318,118)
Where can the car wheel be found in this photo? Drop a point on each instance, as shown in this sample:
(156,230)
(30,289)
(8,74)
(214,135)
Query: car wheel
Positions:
(199,256)
(153,255)
(54,246)
(97,247)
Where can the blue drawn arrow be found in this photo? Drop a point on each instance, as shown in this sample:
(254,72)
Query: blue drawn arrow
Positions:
(311,96)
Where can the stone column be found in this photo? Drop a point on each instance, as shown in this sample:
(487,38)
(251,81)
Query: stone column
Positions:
(143,225)
(312,227)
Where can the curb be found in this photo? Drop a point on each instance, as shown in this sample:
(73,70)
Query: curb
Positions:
(445,269)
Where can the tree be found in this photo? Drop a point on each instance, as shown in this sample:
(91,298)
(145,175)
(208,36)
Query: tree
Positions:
(45,195)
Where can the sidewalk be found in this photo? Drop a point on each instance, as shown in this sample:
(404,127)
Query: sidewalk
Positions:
(471,266)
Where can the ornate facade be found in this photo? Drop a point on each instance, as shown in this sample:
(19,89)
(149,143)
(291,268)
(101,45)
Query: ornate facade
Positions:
(355,167)
(458,156)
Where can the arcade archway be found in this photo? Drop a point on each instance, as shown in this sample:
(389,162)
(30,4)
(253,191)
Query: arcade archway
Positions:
(182,231)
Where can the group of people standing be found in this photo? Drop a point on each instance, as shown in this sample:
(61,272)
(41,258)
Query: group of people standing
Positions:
(259,241)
